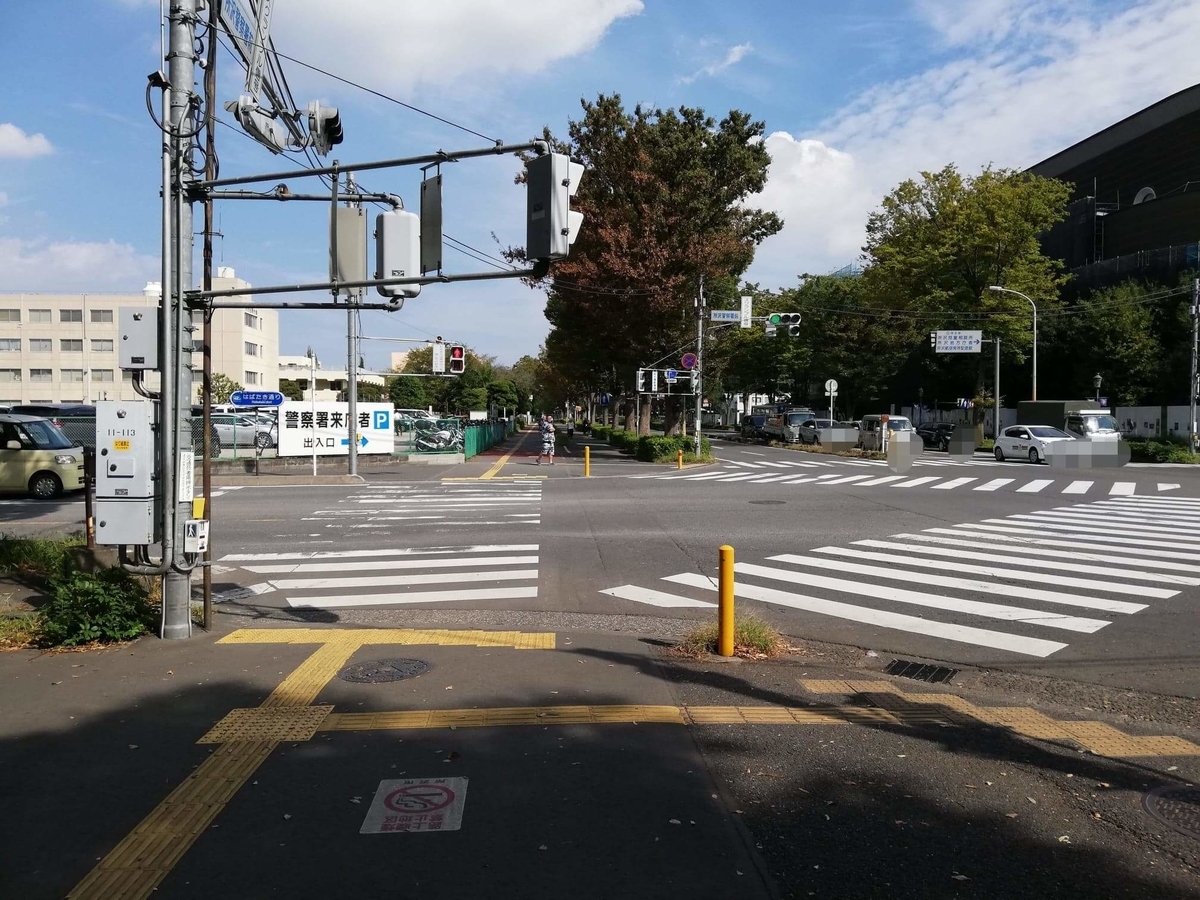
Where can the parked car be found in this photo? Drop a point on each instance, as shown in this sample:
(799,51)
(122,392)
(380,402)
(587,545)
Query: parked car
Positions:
(870,430)
(1030,442)
(241,431)
(810,431)
(936,434)
(785,426)
(752,426)
(35,456)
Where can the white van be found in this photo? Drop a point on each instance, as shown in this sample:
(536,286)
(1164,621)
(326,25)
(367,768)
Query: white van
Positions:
(871,428)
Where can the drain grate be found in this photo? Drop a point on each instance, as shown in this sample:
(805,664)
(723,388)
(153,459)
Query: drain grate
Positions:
(381,671)
(920,671)
(1177,807)
(767,502)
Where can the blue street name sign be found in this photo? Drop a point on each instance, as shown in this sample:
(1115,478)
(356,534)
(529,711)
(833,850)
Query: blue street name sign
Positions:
(256,398)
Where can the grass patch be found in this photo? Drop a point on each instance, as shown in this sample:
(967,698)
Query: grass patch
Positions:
(36,558)
(752,639)
(19,631)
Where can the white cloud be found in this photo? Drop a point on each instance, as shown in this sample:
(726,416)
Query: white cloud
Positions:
(732,57)
(1006,98)
(400,46)
(40,265)
(16,144)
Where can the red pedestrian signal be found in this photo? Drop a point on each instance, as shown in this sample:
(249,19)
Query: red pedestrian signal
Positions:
(458,359)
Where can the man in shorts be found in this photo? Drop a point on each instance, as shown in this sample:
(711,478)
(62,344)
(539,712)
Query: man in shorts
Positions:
(547,441)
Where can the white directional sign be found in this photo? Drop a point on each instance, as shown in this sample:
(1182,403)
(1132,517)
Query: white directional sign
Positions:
(439,358)
(958,342)
(747,309)
(831,386)
(305,427)
(653,380)
(725,315)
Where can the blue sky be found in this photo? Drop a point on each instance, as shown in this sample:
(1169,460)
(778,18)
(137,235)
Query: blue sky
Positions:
(856,95)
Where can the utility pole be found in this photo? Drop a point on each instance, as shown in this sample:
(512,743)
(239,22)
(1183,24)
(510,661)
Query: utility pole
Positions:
(698,373)
(1194,387)
(210,172)
(176,383)
(352,360)
(996,382)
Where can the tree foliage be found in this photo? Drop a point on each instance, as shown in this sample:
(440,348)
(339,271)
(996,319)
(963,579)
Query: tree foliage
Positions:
(223,387)
(290,388)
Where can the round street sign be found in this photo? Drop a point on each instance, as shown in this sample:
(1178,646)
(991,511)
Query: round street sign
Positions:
(831,386)
(688,361)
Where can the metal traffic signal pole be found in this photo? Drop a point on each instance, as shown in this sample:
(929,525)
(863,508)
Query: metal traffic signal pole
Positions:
(697,373)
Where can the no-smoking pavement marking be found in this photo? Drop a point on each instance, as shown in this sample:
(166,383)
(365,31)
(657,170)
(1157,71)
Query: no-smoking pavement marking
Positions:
(416,804)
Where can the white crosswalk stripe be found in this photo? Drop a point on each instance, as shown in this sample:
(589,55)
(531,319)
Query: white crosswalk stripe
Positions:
(387,577)
(1112,558)
(434,506)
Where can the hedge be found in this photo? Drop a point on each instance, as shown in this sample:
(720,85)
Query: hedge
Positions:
(1157,450)
(625,441)
(657,448)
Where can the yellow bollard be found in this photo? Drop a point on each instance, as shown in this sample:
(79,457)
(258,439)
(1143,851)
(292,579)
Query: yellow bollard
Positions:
(679,460)
(587,462)
(725,603)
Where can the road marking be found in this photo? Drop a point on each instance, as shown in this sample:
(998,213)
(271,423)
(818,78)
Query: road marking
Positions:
(407,551)
(653,597)
(1032,563)
(457,562)
(1080,543)
(1167,487)
(951,485)
(1078,487)
(1126,514)
(753,453)
(1035,486)
(1002,573)
(994,484)
(965,584)
(351,600)
(916,482)
(1055,554)
(1090,527)
(884,480)
(845,479)
(1123,488)
(933,601)
(312,584)
(778,465)
(961,633)
(495,469)
(1131,525)
(1099,535)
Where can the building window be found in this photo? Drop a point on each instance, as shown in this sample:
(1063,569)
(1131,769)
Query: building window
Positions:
(251,320)
(70,315)
(10,375)
(41,345)
(10,315)
(251,349)
(251,377)
(102,316)
(102,346)
(41,375)
(41,316)
(71,345)
(105,375)
(10,345)
(68,376)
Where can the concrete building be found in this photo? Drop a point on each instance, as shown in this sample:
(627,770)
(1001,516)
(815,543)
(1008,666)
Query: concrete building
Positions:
(330,383)
(61,348)
(399,358)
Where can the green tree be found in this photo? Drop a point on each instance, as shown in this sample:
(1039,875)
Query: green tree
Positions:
(664,201)
(290,388)
(223,387)
(937,244)
(503,395)
(370,393)
(407,393)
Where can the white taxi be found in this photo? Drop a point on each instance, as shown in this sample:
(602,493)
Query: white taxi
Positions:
(1029,442)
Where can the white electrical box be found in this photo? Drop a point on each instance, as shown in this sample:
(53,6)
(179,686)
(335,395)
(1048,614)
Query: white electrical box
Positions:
(398,252)
(125,477)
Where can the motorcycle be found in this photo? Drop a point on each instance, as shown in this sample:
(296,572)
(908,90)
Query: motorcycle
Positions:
(438,441)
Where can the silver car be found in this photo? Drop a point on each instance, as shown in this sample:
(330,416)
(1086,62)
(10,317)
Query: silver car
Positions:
(242,431)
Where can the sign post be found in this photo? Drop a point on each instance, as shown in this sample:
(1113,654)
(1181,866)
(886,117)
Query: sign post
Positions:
(831,387)
(957,341)
(747,309)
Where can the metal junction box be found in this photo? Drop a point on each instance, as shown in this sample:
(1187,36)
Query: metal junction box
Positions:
(125,482)
(139,338)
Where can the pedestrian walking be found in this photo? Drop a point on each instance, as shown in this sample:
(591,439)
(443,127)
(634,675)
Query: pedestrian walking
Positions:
(547,441)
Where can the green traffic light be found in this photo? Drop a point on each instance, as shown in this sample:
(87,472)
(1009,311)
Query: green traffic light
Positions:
(775,318)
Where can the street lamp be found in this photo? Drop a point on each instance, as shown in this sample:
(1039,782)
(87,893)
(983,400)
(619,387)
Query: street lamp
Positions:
(1096,380)
(1004,290)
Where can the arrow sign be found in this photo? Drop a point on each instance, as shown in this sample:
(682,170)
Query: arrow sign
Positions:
(362,441)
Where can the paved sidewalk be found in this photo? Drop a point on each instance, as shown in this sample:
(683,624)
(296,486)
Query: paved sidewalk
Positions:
(596,765)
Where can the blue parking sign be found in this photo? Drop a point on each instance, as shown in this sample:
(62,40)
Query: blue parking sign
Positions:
(383,420)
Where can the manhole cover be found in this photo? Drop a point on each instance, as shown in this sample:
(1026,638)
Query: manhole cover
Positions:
(768,502)
(379,671)
(1176,807)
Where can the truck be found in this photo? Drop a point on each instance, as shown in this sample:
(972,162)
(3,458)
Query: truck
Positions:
(1083,419)
(784,425)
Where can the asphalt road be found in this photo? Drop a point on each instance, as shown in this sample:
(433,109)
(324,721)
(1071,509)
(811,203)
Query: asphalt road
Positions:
(1092,575)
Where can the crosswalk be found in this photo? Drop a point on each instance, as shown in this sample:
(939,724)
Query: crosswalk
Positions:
(343,579)
(437,506)
(784,473)
(1022,584)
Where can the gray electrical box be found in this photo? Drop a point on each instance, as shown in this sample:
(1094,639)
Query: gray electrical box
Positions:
(348,255)
(139,338)
(125,476)
(398,252)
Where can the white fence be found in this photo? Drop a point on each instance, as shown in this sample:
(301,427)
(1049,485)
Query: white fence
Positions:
(1134,421)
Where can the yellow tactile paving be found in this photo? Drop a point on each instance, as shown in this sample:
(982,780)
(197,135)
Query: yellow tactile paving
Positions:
(267,723)
(1098,737)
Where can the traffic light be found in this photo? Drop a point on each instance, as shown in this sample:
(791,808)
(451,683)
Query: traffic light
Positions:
(933,339)
(398,253)
(790,320)
(551,181)
(324,127)
(458,359)
(642,384)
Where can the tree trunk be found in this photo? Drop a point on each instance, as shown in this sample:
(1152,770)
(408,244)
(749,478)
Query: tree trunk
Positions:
(671,417)
(644,414)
